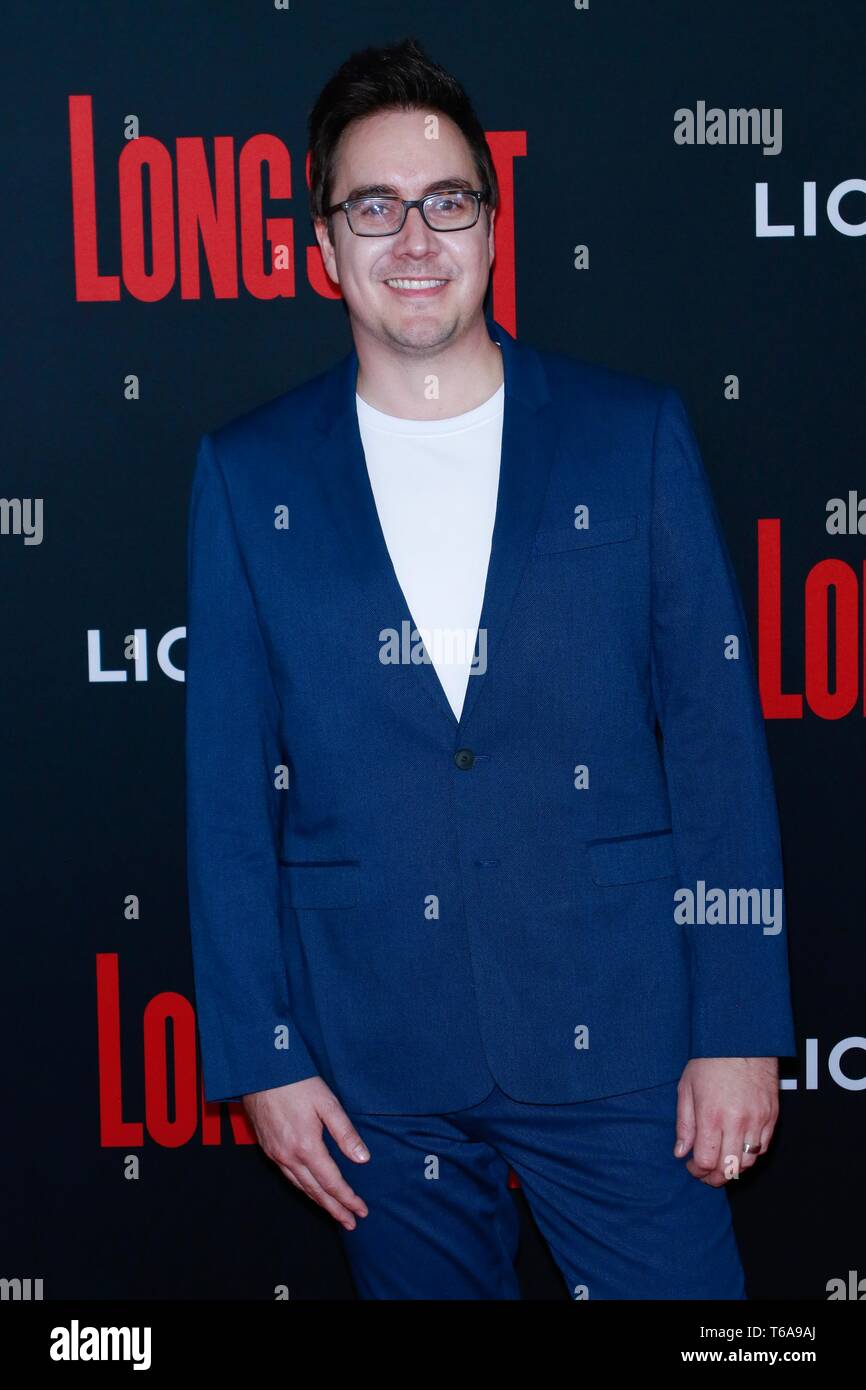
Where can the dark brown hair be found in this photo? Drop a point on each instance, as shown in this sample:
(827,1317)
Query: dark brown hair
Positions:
(397,78)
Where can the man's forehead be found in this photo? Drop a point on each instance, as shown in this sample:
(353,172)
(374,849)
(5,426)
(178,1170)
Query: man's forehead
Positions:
(367,157)
(407,188)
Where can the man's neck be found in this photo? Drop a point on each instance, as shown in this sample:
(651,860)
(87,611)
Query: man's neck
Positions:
(466,375)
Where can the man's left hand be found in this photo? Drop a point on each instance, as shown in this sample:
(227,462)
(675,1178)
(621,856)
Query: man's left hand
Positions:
(722,1103)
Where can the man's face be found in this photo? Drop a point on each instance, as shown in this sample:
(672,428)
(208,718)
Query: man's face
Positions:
(390,152)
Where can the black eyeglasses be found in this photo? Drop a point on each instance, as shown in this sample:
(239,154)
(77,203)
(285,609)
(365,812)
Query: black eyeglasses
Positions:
(454,210)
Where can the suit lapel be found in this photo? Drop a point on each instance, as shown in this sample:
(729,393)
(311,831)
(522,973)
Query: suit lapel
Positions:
(527,453)
(528,444)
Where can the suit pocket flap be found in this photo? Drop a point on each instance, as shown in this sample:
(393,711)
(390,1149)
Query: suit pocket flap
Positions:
(322,884)
(632,859)
(617,528)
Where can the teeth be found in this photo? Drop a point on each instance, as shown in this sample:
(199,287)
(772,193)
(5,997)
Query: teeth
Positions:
(414,284)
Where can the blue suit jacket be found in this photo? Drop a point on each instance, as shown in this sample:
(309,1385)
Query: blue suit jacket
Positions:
(411,925)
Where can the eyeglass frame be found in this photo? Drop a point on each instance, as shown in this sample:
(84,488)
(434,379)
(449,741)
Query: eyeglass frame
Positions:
(479,194)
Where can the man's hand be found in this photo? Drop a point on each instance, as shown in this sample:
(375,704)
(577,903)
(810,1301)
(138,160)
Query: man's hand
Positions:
(288,1122)
(722,1102)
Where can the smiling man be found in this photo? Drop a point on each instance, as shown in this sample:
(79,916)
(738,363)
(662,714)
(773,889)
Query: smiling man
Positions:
(432,899)
(414,295)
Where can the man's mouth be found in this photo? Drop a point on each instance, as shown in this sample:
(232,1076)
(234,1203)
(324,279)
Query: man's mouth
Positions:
(414,286)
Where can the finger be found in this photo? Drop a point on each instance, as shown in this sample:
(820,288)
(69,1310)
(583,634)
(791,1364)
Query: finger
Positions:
(305,1183)
(751,1135)
(287,1172)
(731,1153)
(343,1132)
(767,1133)
(685,1123)
(705,1149)
(331,1180)
(332,1205)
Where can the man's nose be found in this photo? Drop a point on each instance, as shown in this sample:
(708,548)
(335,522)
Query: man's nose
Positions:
(415,230)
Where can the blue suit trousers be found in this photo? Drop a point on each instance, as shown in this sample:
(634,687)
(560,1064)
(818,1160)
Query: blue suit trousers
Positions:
(624,1219)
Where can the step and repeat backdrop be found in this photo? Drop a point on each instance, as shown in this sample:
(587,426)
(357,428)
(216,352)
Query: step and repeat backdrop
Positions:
(684,196)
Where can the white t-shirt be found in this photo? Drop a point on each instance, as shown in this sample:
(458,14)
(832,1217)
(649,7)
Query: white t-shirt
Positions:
(436,483)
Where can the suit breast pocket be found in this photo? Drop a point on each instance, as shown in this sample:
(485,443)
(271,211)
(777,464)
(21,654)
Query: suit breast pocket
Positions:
(319,883)
(632,858)
(550,540)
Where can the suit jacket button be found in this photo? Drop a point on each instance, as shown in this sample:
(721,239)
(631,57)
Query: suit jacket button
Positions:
(464,758)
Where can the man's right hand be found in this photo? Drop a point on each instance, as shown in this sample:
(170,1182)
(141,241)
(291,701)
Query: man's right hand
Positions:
(288,1122)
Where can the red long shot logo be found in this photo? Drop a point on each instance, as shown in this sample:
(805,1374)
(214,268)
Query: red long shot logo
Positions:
(170,208)
(831,661)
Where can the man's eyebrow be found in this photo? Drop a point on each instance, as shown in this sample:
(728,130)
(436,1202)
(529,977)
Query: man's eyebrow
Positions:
(369,190)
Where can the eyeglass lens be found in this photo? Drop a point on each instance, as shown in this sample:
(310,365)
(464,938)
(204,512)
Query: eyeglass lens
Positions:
(377,216)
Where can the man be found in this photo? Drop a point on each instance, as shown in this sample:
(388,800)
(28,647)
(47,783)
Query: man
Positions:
(436,905)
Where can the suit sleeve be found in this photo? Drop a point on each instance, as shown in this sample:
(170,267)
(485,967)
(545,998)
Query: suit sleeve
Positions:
(232,750)
(723,805)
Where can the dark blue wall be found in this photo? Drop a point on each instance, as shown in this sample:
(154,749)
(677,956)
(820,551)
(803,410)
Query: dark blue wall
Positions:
(109,1201)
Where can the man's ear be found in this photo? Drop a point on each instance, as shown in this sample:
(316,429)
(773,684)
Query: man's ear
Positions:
(491,241)
(321,227)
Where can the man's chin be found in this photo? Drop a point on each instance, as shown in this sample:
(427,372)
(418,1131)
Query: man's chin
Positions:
(420,332)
